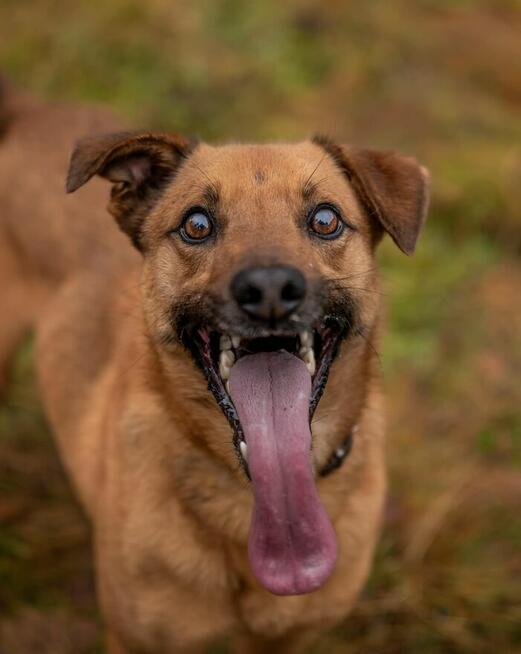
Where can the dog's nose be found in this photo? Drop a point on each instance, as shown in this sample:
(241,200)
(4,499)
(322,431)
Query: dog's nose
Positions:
(269,293)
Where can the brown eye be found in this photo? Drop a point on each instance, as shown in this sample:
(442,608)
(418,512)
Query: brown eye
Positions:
(197,227)
(326,223)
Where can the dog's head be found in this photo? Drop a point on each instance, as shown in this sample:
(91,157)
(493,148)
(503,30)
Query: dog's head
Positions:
(259,261)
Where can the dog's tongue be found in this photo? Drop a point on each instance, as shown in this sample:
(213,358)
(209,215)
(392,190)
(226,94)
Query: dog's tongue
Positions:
(292,545)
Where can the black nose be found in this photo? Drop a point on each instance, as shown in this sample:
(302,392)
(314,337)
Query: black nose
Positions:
(269,293)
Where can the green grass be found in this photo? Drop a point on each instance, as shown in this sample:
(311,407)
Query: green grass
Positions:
(435,79)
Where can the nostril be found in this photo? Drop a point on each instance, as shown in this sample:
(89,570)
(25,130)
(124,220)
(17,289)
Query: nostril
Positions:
(251,295)
(291,292)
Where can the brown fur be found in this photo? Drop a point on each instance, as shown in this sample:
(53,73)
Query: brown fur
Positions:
(142,438)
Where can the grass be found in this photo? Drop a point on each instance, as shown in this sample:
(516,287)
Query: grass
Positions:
(436,79)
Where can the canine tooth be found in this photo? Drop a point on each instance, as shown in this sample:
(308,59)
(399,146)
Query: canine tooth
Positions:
(306,339)
(303,351)
(244,450)
(309,360)
(226,361)
(236,341)
(224,372)
(227,358)
(225,342)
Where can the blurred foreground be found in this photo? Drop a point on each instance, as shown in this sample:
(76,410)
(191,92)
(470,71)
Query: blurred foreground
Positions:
(441,80)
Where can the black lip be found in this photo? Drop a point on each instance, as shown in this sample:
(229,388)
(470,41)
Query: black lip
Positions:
(204,357)
(328,355)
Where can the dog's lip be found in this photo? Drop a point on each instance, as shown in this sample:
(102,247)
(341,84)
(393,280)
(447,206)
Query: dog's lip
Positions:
(217,349)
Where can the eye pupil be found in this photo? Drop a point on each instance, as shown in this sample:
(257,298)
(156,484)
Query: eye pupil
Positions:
(197,227)
(199,223)
(325,222)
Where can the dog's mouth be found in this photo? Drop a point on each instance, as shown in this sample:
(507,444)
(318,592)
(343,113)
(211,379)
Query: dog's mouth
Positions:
(268,388)
(218,352)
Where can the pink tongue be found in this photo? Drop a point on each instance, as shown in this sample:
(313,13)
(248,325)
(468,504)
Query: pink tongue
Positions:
(292,545)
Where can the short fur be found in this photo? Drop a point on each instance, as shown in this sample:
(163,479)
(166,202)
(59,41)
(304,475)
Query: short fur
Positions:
(145,444)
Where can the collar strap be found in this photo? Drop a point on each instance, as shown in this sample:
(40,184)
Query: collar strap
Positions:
(340,454)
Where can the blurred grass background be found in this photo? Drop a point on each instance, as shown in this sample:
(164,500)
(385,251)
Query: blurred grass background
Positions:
(438,79)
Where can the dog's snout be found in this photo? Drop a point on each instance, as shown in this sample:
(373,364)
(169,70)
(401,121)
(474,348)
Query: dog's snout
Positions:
(269,293)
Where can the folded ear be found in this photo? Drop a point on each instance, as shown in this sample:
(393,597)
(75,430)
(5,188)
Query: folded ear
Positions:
(139,164)
(393,188)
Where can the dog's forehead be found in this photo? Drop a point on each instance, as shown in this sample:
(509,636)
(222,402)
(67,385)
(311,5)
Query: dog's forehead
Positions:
(287,167)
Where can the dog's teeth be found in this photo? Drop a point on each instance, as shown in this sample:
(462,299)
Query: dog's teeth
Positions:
(236,341)
(244,450)
(309,360)
(225,343)
(306,352)
(226,361)
(224,372)
(228,358)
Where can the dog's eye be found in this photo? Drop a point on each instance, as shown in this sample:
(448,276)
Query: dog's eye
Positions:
(324,222)
(196,227)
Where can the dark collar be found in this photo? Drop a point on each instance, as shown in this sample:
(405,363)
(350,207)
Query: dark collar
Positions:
(340,454)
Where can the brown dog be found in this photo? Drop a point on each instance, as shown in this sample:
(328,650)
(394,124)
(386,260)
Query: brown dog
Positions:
(214,390)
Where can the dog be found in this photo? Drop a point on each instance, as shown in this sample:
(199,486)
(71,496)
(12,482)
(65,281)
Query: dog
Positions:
(210,368)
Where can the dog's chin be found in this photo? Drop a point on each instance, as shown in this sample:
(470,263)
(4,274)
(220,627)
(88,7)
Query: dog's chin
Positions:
(216,352)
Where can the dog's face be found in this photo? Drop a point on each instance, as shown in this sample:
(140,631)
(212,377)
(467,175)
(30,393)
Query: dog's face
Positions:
(259,261)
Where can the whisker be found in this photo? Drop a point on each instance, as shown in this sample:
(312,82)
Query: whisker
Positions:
(308,180)
(323,179)
(362,289)
(353,275)
(132,365)
(328,415)
(360,332)
(203,172)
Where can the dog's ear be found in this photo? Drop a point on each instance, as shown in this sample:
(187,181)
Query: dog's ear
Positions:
(139,164)
(393,188)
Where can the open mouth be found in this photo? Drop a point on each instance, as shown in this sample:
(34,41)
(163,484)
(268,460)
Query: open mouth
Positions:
(217,353)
